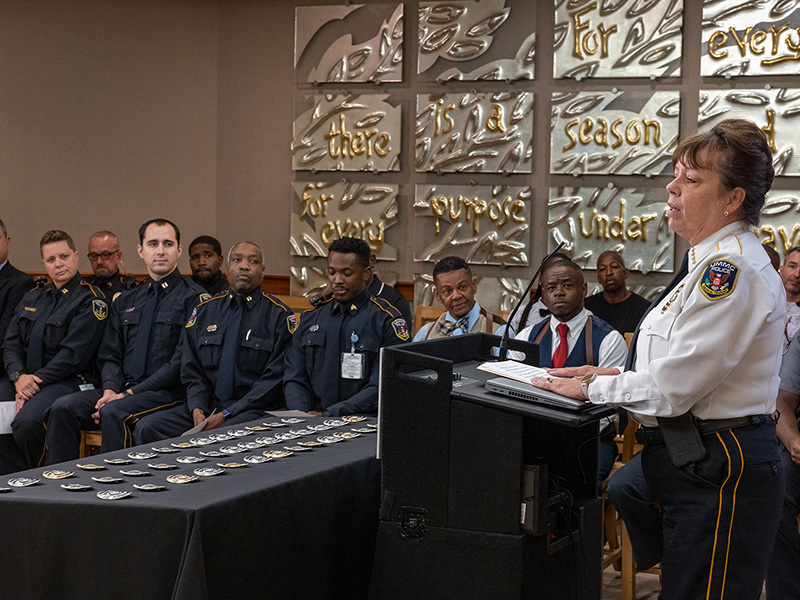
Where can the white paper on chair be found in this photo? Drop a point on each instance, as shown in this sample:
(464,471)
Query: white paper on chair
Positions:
(7,413)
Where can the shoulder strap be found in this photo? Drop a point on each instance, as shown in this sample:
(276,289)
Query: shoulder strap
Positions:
(589,353)
(542,332)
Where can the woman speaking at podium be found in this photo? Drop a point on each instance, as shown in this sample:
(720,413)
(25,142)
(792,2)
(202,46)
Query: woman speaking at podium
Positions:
(702,374)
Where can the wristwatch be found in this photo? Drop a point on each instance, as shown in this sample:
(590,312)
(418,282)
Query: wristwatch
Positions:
(226,414)
(14,377)
(585,381)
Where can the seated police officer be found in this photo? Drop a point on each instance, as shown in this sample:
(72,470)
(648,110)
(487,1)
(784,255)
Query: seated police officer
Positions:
(139,357)
(572,336)
(232,356)
(51,342)
(105,258)
(13,285)
(205,260)
(455,287)
(332,365)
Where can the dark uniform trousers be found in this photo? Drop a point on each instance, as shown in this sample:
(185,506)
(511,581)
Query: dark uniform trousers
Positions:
(71,414)
(711,509)
(783,575)
(128,411)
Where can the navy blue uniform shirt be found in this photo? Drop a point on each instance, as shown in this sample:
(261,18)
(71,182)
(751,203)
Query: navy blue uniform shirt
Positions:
(264,336)
(313,363)
(162,370)
(71,335)
(110,286)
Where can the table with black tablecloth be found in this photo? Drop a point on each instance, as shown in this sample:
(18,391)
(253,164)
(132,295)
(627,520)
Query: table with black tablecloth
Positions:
(304,525)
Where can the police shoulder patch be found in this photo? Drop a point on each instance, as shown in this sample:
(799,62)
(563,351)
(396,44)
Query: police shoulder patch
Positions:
(193,319)
(719,279)
(400,329)
(291,323)
(100,309)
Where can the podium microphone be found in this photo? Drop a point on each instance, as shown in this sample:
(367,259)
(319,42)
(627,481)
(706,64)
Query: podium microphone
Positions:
(504,340)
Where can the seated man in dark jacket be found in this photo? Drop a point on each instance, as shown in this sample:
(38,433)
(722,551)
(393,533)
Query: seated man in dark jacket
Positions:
(332,364)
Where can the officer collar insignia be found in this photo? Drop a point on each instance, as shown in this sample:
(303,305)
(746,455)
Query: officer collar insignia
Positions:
(164,285)
(249,298)
(64,290)
(291,323)
(211,328)
(193,319)
(314,327)
(353,307)
(719,279)
(100,309)
(400,329)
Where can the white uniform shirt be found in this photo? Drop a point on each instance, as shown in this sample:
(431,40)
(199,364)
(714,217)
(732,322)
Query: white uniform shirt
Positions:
(717,357)
(613,349)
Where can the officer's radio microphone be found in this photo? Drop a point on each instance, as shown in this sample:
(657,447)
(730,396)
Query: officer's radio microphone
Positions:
(504,340)
(319,298)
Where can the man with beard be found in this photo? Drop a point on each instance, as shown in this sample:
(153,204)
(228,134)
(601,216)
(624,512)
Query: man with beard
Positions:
(205,260)
(233,351)
(616,305)
(105,258)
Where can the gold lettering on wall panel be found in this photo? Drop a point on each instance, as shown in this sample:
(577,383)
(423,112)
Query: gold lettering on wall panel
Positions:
(608,132)
(776,111)
(328,211)
(358,132)
(630,221)
(625,38)
(483,224)
(482,132)
(757,38)
(780,221)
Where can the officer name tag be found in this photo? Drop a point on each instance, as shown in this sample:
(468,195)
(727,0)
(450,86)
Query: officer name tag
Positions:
(86,387)
(352,365)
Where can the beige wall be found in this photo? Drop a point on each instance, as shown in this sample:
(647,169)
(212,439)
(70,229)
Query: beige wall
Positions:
(108,117)
(113,112)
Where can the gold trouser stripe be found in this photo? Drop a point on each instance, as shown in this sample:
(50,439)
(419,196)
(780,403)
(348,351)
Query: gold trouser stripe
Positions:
(719,516)
(127,425)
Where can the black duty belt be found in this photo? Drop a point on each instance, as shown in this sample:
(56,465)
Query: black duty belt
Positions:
(652,435)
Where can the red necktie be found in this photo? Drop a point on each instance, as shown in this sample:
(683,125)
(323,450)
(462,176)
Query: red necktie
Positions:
(560,357)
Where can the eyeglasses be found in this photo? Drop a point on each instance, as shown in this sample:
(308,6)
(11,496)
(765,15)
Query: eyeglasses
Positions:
(104,255)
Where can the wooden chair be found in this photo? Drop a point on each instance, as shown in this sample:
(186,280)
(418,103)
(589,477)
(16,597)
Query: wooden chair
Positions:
(90,443)
(426,314)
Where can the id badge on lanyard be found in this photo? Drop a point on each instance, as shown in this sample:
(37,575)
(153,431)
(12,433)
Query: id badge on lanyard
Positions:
(353,363)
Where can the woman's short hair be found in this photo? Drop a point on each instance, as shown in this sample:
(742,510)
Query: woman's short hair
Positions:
(738,151)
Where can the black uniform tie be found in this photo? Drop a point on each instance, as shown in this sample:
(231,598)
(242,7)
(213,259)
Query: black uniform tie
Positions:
(141,347)
(223,389)
(35,342)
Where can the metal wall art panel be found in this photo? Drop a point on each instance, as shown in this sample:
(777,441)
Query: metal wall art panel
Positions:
(618,38)
(353,132)
(326,50)
(631,221)
(494,293)
(483,224)
(472,41)
(742,37)
(475,132)
(780,221)
(612,132)
(325,211)
(776,111)
(307,281)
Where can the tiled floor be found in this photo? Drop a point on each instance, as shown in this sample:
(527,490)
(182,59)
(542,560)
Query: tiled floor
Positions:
(647,586)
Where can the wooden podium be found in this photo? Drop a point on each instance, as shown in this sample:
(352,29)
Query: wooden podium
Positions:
(454,458)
